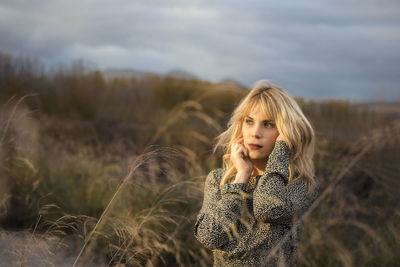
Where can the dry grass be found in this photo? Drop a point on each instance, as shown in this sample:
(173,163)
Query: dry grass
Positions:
(147,224)
(147,216)
(85,188)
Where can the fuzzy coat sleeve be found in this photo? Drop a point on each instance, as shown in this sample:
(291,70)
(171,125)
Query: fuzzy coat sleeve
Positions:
(274,200)
(220,212)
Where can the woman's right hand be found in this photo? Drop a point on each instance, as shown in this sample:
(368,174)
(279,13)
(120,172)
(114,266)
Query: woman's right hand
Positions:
(240,159)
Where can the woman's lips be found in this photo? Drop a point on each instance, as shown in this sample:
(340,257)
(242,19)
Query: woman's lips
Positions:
(254,147)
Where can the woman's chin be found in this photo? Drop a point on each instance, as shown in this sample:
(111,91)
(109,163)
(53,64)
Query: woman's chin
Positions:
(256,156)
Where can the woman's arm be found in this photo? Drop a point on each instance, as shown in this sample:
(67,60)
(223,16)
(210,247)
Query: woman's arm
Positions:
(274,202)
(220,212)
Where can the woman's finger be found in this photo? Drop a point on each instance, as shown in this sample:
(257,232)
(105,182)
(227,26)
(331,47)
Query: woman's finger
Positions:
(234,147)
(242,150)
(246,153)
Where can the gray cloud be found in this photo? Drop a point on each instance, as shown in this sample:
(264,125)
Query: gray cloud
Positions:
(337,48)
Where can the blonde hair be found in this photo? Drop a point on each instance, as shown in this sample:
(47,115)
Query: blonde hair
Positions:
(290,121)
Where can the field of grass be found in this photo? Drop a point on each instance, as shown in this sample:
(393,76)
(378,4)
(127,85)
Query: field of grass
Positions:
(99,171)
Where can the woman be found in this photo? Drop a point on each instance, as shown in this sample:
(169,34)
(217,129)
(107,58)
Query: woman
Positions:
(252,207)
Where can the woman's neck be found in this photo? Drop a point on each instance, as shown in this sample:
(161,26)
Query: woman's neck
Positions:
(258,166)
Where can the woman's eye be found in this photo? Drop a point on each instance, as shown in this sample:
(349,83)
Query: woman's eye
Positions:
(249,121)
(269,124)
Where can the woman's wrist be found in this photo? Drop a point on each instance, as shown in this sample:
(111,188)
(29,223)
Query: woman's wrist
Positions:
(242,177)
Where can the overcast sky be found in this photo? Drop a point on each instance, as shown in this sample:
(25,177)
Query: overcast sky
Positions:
(315,49)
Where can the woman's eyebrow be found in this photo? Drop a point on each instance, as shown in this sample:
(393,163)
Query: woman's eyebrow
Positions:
(253,119)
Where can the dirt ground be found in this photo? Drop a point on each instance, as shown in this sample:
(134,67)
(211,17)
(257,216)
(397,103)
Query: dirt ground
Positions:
(25,249)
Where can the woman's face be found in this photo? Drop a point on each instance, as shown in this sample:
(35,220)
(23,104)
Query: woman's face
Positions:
(259,134)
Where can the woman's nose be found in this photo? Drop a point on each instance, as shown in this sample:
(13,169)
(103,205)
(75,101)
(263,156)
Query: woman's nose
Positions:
(256,132)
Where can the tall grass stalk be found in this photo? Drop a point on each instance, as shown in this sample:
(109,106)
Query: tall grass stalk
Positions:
(139,161)
(180,112)
(11,116)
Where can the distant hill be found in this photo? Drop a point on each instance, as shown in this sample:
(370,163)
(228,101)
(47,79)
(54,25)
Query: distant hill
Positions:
(232,81)
(111,73)
(385,107)
(176,73)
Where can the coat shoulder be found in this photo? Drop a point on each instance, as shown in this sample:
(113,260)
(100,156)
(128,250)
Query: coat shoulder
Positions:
(215,176)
